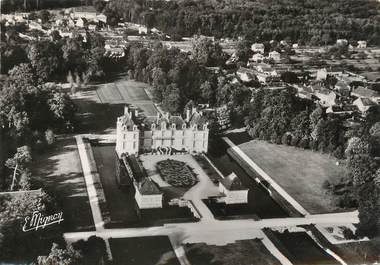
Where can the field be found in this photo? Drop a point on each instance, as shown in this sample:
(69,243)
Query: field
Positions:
(127,91)
(143,251)
(60,172)
(241,252)
(300,172)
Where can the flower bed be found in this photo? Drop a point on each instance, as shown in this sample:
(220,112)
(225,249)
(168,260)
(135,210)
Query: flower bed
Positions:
(176,173)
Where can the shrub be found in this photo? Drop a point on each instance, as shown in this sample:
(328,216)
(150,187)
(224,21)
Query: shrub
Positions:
(176,173)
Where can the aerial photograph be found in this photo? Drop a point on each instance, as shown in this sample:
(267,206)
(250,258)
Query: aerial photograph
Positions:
(190,132)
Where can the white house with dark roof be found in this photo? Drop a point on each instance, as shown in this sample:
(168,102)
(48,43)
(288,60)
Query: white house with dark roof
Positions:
(275,55)
(363,92)
(232,190)
(147,195)
(135,135)
(364,104)
(258,47)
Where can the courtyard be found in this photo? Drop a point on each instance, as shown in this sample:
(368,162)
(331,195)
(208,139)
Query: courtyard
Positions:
(203,189)
(121,202)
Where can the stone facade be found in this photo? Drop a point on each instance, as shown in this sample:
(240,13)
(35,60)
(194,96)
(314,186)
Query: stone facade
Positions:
(135,134)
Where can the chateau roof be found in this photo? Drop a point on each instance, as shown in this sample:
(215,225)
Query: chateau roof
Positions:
(169,120)
(197,119)
(232,182)
(127,121)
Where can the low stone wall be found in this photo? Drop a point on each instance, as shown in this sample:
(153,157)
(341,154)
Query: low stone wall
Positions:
(93,184)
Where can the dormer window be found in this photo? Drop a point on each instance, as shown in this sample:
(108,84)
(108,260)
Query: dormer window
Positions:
(153,126)
(183,126)
(134,127)
(173,126)
(195,127)
(205,126)
(163,125)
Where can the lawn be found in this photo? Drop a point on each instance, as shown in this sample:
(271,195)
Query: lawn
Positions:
(59,171)
(143,251)
(127,92)
(245,252)
(300,172)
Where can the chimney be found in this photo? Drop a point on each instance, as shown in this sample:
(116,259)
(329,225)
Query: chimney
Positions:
(125,110)
(187,115)
(193,110)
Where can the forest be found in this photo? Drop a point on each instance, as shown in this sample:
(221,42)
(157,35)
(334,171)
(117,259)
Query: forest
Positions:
(299,21)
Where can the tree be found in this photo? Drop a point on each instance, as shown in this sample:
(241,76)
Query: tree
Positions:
(61,256)
(208,93)
(159,81)
(46,58)
(21,158)
(290,77)
(206,52)
(172,99)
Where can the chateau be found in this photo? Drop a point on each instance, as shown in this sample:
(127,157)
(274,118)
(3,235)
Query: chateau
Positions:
(163,133)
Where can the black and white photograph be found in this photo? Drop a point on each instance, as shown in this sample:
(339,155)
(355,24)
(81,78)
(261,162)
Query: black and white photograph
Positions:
(190,132)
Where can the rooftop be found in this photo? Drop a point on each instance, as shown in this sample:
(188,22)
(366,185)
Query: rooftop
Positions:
(365,92)
(232,182)
(147,187)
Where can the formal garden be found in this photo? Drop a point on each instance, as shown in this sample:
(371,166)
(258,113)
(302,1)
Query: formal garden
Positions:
(176,173)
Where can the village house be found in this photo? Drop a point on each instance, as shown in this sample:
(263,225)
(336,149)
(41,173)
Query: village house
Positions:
(342,88)
(258,47)
(342,109)
(341,42)
(364,104)
(87,12)
(363,92)
(232,190)
(135,134)
(257,58)
(81,22)
(101,18)
(321,74)
(362,44)
(245,74)
(275,55)
(326,97)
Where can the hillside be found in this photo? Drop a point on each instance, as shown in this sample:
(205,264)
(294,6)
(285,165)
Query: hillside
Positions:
(310,21)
